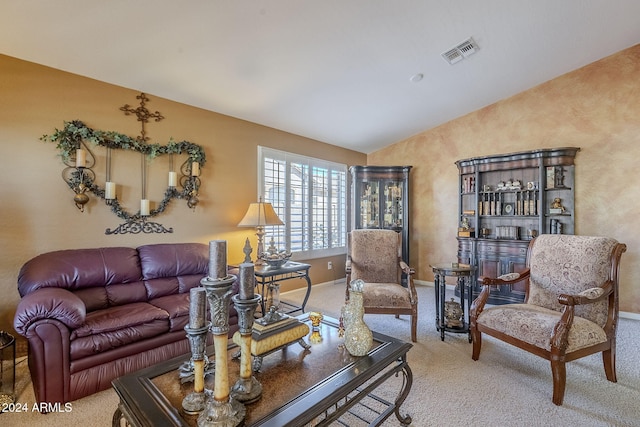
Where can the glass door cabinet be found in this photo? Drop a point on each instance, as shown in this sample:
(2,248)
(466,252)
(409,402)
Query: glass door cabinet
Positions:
(380,199)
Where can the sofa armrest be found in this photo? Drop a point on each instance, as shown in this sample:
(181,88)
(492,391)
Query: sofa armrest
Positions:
(49,303)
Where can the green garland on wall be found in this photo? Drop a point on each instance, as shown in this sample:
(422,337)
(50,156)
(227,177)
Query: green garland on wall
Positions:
(70,138)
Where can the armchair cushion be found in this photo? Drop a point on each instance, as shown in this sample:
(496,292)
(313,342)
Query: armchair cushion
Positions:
(386,295)
(374,257)
(534,325)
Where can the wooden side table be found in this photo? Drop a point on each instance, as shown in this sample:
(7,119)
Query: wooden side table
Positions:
(464,274)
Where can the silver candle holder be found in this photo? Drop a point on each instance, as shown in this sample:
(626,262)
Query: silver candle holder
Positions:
(247,388)
(194,402)
(221,410)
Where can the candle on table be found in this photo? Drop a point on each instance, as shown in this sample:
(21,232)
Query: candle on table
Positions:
(144,207)
(197,307)
(247,281)
(218,259)
(173,179)
(110,190)
(81,158)
(195,169)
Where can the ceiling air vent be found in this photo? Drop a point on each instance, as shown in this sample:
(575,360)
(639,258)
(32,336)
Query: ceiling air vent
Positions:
(461,51)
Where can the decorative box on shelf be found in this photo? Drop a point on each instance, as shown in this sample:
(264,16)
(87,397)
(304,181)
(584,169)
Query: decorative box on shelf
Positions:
(466,232)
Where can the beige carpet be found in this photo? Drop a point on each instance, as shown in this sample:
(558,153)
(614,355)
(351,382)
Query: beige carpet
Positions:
(506,387)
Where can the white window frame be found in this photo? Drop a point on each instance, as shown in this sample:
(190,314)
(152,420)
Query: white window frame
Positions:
(333,228)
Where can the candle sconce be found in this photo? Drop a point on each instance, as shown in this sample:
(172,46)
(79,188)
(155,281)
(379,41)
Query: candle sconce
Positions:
(79,174)
(74,141)
(190,181)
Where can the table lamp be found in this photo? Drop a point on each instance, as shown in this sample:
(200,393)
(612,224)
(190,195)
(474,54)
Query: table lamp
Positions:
(259,215)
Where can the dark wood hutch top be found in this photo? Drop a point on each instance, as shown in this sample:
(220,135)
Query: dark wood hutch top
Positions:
(524,159)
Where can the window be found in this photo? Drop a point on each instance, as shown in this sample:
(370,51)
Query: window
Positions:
(310,196)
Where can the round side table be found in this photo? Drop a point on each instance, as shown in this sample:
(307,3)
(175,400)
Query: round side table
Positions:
(464,274)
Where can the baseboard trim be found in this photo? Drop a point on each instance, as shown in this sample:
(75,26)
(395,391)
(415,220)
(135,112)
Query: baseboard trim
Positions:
(329,283)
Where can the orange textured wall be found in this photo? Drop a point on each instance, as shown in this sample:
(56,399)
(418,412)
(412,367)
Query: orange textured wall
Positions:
(596,108)
(36,209)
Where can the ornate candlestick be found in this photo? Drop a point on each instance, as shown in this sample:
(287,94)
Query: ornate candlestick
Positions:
(196,330)
(194,402)
(247,388)
(220,409)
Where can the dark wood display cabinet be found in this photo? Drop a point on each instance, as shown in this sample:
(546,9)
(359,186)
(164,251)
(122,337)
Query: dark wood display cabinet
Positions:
(506,200)
(380,197)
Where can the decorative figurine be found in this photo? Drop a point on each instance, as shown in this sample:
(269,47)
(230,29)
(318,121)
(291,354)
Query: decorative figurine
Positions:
(453,314)
(465,224)
(556,206)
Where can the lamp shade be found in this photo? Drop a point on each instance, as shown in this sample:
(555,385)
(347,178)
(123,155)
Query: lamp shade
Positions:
(260,214)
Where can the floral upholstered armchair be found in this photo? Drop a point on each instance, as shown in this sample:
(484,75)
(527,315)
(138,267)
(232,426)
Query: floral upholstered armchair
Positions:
(570,308)
(375,257)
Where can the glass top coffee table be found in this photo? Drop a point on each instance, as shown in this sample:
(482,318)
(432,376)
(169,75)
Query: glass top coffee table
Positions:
(300,387)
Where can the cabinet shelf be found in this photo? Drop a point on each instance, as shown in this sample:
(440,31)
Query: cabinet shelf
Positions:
(511,216)
(500,243)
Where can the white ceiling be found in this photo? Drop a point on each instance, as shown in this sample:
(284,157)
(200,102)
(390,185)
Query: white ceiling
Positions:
(334,70)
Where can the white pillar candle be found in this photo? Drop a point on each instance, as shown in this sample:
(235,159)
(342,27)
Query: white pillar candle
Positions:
(247,280)
(173,179)
(217,259)
(110,190)
(144,207)
(195,169)
(81,158)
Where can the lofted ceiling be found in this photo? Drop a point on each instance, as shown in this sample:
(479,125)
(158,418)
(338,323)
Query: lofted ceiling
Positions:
(345,72)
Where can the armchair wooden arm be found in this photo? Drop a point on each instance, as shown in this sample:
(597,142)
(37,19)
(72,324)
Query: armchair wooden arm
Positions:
(487,282)
(347,268)
(559,338)
(406,269)
(589,296)
(506,279)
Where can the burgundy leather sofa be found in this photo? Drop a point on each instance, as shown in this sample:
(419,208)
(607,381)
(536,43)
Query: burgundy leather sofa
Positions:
(92,315)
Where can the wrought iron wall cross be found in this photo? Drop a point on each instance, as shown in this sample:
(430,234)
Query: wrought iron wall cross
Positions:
(142,114)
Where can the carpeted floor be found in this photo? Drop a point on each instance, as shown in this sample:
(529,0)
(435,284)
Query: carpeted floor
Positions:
(506,387)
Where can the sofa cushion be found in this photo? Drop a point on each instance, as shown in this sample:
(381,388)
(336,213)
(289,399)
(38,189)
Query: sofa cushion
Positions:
(178,308)
(76,269)
(173,259)
(117,326)
(126,293)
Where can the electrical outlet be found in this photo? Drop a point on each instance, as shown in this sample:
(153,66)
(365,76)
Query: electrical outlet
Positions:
(329,265)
